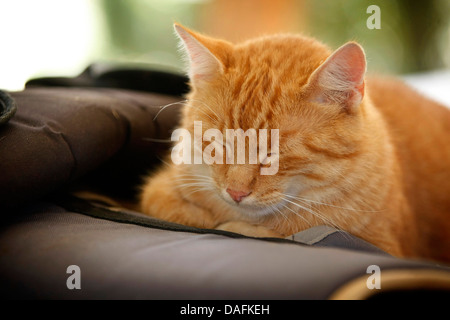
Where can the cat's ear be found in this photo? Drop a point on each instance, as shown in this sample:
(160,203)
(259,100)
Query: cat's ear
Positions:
(340,78)
(204,54)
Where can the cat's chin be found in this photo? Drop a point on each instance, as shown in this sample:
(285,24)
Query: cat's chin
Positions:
(252,210)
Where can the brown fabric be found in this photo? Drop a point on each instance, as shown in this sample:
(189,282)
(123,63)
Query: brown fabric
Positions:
(129,261)
(60,134)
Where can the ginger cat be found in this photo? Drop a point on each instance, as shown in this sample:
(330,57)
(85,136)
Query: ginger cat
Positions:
(368,156)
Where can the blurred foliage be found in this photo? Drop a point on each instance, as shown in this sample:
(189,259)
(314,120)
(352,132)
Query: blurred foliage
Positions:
(141,31)
(414,35)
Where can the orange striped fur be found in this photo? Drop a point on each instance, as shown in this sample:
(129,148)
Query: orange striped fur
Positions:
(378,168)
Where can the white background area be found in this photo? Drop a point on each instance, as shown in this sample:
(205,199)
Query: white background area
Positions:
(432,84)
(46,38)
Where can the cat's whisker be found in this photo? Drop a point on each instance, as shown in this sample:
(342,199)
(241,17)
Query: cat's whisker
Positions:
(316,214)
(157,140)
(349,185)
(323,218)
(186,103)
(197,190)
(162,108)
(277,213)
(195,176)
(281,213)
(192,175)
(284,216)
(298,215)
(194,187)
(327,204)
(204,112)
(206,105)
(189,181)
(163,161)
(189,184)
(193,180)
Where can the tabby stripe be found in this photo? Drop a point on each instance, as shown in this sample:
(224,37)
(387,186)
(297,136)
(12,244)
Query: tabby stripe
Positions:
(330,153)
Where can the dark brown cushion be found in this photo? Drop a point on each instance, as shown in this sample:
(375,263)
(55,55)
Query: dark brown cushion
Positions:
(58,135)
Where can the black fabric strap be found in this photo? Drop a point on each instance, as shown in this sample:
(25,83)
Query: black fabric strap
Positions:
(124,77)
(7,107)
(83,206)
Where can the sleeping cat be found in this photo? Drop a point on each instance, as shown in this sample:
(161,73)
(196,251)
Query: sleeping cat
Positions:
(368,156)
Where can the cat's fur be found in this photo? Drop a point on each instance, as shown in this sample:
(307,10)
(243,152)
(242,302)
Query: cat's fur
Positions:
(369,156)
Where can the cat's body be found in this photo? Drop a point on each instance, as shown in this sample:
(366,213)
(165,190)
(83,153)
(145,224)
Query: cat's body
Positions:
(369,157)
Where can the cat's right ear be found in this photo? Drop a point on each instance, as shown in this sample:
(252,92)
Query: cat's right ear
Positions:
(205,55)
(339,80)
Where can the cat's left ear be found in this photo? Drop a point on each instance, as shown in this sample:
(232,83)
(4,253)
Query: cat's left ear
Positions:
(340,79)
(207,56)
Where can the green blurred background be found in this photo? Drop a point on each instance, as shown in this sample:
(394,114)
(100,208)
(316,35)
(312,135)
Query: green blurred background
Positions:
(60,38)
(414,35)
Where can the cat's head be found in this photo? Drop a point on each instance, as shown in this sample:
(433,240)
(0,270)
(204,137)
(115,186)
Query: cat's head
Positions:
(293,84)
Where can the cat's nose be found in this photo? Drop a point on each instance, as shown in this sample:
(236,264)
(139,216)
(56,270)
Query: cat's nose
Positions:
(238,195)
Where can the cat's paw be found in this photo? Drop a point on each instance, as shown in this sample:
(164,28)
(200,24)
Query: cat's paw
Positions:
(248,229)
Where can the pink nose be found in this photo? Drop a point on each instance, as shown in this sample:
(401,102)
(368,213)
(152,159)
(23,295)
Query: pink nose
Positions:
(237,195)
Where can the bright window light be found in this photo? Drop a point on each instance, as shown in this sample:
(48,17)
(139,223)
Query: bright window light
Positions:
(45,38)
